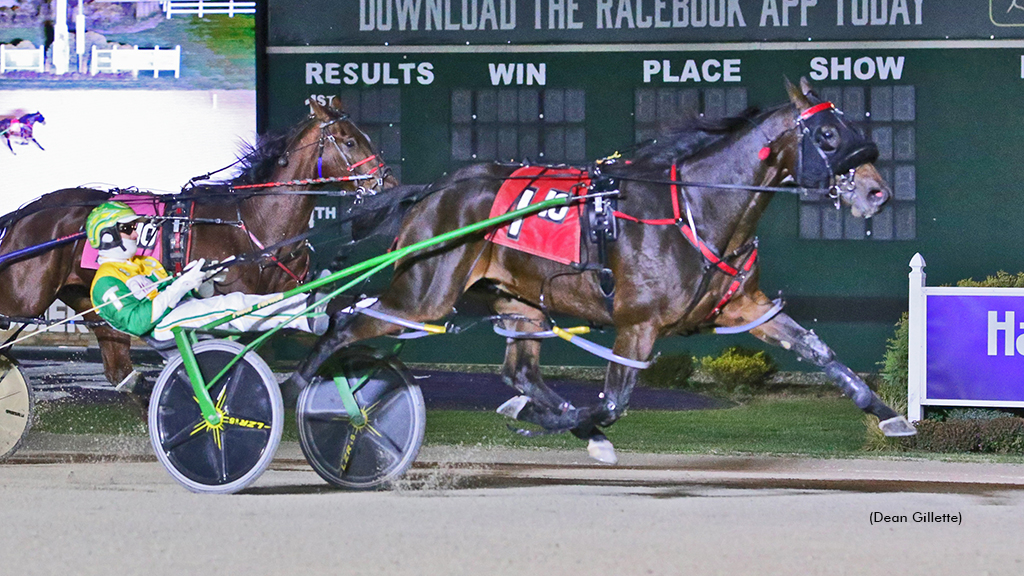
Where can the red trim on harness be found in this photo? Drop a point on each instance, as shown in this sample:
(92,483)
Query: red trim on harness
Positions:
(815,109)
(707,252)
(361,162)
(734,286)
(704,249)
(188,247)
(675,191)
(271,256)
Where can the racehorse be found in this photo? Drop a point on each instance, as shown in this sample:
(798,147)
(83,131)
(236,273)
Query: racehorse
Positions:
(325,145)
(20,129)
(675,271)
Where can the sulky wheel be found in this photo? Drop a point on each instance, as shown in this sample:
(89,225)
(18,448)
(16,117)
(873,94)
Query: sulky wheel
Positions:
(226,458)
(16,407)
(376,447)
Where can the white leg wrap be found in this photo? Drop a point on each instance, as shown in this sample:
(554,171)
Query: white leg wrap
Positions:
(513,406)
(897,426)
(602,451)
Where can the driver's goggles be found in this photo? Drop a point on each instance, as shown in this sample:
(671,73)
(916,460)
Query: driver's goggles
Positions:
(127,227)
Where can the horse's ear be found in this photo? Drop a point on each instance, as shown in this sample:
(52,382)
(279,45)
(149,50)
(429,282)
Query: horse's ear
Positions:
(317,110)
(796,95)
(808,90)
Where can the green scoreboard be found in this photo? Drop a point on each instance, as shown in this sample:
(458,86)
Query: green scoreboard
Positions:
(439,84)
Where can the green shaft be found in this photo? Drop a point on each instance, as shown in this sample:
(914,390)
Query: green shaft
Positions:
(396,255)
(370,267)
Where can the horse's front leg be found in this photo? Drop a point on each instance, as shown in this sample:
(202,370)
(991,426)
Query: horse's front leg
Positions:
(634,342)
(37,144)
(784,332)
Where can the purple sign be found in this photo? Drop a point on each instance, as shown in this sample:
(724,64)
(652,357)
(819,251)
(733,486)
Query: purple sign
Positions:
(975,348)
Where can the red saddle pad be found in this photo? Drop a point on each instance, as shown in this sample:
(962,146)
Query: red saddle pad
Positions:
(554,233)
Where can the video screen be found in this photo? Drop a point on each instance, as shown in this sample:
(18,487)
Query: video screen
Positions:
(122,95)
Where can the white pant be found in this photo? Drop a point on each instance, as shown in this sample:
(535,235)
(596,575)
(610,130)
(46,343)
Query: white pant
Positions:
(197,312)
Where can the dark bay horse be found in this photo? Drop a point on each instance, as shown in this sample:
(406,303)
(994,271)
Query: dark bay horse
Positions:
(664,284)
(20,129)
(326,145)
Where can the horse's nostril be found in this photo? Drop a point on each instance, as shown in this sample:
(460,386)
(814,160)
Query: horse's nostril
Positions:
(878,196)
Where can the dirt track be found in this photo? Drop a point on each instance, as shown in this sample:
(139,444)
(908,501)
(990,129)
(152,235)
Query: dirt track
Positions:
(489,511)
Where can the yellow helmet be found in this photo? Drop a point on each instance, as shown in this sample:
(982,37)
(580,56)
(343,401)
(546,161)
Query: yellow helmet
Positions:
(101,224)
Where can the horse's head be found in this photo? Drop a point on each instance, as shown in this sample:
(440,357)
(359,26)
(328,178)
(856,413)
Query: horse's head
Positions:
(831,153)
(33,118)
(341,149)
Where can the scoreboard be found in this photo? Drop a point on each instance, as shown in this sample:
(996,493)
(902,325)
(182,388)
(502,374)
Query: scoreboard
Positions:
(939,86)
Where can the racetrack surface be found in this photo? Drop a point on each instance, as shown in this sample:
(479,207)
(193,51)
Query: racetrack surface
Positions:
(84,505)
(67,508)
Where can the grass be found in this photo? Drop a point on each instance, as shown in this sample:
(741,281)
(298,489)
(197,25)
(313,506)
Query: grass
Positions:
(816,425)
(810,426)
(102,419)
(806,426)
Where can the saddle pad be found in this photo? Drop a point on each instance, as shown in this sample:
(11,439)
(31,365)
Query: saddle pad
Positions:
(149,237)
(554,233)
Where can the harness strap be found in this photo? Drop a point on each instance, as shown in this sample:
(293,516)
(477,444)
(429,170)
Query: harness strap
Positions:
(697,243)
(734,286)
(706,251)
(273,258)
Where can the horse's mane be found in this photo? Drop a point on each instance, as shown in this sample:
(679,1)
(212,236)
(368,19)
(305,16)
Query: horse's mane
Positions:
(257,161)
(694,135)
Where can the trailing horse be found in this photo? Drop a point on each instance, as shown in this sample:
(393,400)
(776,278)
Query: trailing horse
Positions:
(263,206)
(684,260)
(20,129)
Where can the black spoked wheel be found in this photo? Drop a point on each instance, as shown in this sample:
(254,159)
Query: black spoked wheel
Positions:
(350,453)
(228,457)
(16,407)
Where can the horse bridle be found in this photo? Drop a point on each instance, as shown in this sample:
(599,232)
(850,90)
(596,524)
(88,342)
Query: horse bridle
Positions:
(830,159)
(380,170)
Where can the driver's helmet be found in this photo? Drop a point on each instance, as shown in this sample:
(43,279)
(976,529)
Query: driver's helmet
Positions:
(101,224)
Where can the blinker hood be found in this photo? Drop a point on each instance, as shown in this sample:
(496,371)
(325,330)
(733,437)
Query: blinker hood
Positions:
(822,157)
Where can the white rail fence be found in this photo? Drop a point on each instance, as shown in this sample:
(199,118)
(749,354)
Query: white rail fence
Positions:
(204,7)
(31,59)
(966,345)
(114,60)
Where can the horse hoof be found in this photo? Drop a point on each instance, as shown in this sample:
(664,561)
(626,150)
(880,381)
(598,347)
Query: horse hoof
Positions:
(897,426)
(129,382)
(602,451)
(513,406)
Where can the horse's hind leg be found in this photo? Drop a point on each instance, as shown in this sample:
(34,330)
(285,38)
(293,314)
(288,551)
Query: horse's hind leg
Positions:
(783,331)
(114,345)
(521,369)
(538,404)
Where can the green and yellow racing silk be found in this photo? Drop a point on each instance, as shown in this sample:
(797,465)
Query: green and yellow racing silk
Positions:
(128,289)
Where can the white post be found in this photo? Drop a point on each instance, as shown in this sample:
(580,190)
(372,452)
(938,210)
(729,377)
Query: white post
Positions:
(80,36)
(918,332)
(156,61)
(3,58)
(61,54)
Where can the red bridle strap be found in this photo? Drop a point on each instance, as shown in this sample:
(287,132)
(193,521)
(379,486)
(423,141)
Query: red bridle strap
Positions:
(815,109)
